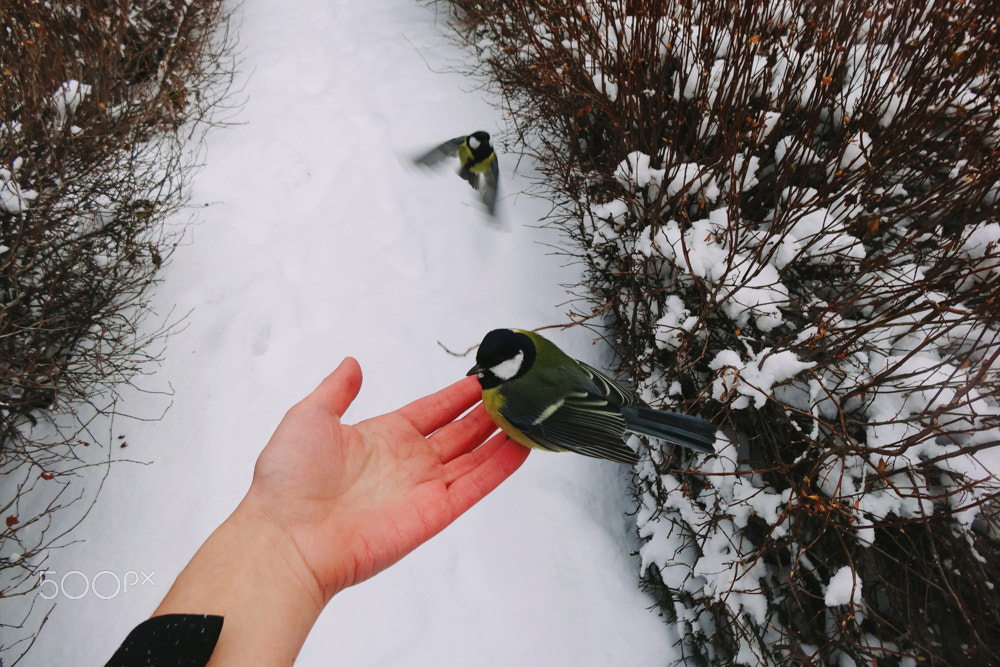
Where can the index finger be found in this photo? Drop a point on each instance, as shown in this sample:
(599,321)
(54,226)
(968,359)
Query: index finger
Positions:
(431,412)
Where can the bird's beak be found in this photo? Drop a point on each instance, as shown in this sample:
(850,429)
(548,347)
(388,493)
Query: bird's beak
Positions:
(474,370)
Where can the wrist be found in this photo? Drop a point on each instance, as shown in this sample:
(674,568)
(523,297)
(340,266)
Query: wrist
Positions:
(277,562)
(250,573)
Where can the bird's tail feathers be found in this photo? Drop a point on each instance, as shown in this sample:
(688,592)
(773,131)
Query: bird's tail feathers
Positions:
(685,430)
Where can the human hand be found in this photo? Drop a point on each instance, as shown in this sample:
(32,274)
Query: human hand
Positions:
(355,499)
(332,504)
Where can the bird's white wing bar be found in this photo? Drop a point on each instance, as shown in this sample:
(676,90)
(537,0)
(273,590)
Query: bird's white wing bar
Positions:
(547,412)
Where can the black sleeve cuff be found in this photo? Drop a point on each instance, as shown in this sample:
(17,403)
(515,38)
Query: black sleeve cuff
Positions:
(174,639)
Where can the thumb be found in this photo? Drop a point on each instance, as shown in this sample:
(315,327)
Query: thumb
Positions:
(340,387)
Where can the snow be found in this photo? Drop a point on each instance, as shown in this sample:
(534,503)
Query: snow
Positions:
(844,588)
(856,151)
(13,198)
(746,290)
(676,320)
(66,99)
(635,173)
(755,379)
(316,240)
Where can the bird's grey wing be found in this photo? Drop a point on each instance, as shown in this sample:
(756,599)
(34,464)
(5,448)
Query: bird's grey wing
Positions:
(581,421)
(585,424)
(471,177)
(688,431)
(490,188)
(615,394)
(438,153)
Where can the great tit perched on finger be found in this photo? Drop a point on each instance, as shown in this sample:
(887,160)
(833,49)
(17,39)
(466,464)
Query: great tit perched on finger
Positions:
(543,398)
(477,157)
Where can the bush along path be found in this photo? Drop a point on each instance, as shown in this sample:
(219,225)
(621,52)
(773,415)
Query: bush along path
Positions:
(102,111)
(788,215)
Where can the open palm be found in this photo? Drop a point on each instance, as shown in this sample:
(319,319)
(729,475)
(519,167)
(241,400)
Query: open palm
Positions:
(355,499)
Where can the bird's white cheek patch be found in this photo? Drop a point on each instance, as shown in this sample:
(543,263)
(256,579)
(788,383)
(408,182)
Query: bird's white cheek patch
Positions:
(473,143)
(505,370)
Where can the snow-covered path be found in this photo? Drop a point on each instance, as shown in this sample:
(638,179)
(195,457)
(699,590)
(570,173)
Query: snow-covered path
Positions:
(317,240)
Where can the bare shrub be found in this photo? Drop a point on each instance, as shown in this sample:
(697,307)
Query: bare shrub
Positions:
(102,110)
(788,216)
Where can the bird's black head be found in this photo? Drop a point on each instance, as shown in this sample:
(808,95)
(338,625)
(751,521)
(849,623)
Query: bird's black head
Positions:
(503,355)
(479,144)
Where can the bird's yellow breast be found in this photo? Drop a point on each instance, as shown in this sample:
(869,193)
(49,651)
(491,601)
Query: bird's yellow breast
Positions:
(493,402)
(468,160)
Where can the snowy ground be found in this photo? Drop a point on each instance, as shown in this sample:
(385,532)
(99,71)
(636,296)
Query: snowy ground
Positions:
(318,241)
